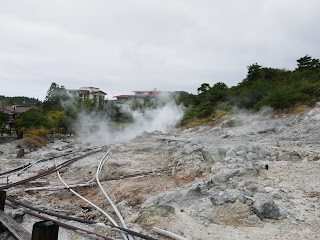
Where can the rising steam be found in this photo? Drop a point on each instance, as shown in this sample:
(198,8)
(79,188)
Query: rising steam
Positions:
(100,130)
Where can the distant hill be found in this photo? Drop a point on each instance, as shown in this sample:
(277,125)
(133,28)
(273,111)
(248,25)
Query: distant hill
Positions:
(26,101)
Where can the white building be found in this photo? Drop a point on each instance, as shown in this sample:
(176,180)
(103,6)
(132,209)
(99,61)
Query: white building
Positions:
(93,93)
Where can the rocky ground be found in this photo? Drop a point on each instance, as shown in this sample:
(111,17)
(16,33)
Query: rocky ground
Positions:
(242,176)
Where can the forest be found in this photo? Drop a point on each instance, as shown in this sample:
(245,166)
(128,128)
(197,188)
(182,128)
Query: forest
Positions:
(278,88)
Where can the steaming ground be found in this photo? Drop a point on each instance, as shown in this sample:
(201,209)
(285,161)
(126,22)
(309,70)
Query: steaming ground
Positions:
(100,130)
(208,182)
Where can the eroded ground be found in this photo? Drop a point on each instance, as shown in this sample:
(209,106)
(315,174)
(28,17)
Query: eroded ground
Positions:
(257,178)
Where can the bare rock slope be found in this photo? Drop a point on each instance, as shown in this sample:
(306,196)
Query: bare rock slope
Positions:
(258,179)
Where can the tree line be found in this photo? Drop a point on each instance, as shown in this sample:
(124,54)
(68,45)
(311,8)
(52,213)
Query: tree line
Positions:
(263,86)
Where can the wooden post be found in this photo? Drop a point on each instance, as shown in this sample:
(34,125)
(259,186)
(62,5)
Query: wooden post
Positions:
(45,230)
(2,203)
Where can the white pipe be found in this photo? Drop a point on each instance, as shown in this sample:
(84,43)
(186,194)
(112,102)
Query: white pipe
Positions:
(168,234)
(52,188)
(103,160)
(92,204)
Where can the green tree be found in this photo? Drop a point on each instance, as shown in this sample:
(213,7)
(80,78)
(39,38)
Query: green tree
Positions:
(56,97)
(33,118)
(307,62)
(4,117)
(204,87)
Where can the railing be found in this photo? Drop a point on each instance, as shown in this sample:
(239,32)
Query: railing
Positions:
(41,230)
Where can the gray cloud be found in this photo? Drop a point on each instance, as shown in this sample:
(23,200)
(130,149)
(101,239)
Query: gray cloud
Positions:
(121,46)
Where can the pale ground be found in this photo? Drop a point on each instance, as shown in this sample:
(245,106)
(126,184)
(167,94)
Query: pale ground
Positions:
(298,178)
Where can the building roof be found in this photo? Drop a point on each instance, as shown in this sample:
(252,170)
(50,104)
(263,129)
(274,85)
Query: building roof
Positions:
(147,91)
(100,92)
(136,96)
(16,109)
(86,91)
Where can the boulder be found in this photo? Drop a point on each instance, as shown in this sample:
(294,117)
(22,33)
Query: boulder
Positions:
(256,188)
(4,235)
(222,151)
(265,207)
(265,153)
(20,153)
(227,196)
(242,148)
(255,149)
(17,214)
(230,153)
(251,156)
(241,153)
(225,173)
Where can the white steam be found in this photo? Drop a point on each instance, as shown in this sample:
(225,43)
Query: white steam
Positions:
(99,130)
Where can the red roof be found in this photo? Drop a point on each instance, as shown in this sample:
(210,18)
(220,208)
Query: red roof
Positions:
(146,91)
(17,109)
(22,109)
(100,92)
(136,96)
(124,96)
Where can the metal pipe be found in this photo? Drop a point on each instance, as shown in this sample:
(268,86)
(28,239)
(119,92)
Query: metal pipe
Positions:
(103,160)
(76,219)
(91,203)
(64,225)
(45,173)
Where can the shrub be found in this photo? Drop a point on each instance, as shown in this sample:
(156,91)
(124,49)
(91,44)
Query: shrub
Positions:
(233,123)
(37,132)
(34,141)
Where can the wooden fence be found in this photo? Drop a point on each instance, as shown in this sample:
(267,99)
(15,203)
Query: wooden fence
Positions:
(41,230)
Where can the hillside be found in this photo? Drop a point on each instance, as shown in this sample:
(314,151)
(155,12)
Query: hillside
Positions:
(259,177)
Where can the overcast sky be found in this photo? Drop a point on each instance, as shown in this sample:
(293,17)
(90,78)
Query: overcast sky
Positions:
(124,45)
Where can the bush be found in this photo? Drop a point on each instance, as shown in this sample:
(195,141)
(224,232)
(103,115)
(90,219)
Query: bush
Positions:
(34,141)
(37,132)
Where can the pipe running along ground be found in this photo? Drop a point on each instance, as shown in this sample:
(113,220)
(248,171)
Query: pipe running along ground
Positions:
(52,170)
(64,225)
(28,165)
(91,203)
(76,219)
(103,160)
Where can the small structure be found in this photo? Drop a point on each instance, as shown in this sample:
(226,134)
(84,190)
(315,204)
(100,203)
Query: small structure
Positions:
(93,93)
(139,95)
(15,110)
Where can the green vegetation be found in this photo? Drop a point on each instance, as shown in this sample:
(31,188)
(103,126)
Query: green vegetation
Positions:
(278,88)
(59,112)
(4,117)
(19,101)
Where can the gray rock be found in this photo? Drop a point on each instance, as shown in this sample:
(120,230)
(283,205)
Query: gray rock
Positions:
(207,156)
(265,207)
(231,153)
(265,153)
(242,148)
(256,188)
(4,236)
(252,156)
(225,174)
(33,149)
(241,153)
(255,149)
(227,196)
(20,153)
(17,214)
(222,151)
(283,157)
